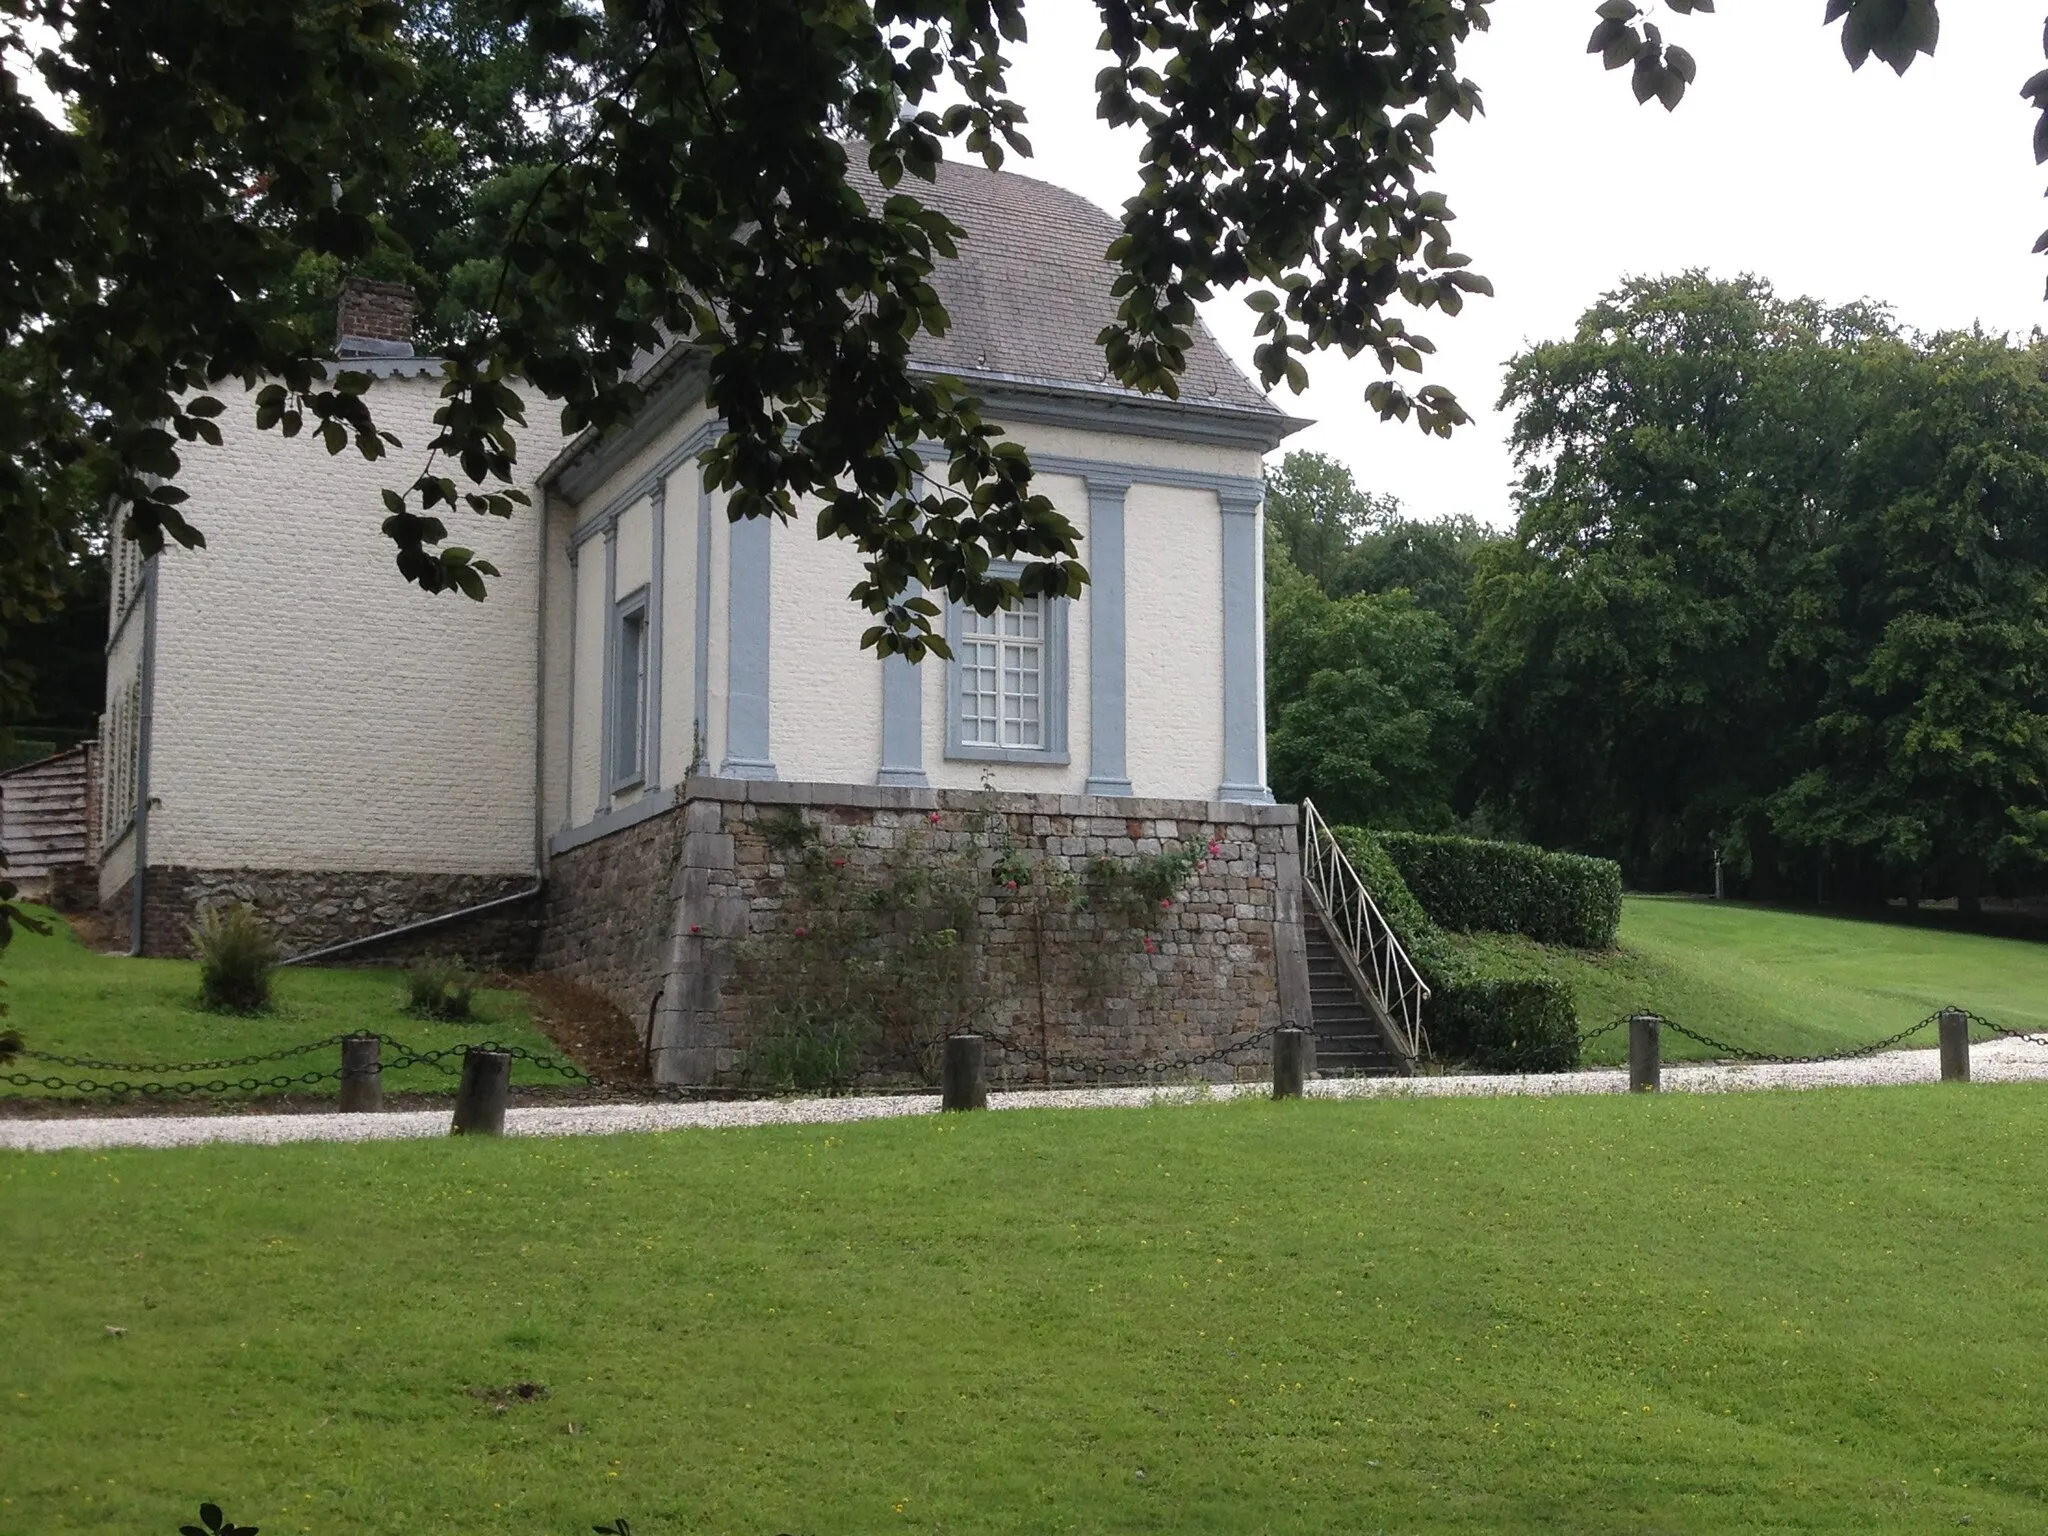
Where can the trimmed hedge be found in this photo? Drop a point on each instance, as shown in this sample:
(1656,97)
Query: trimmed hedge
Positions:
(1511,1024)
(1471,885)
(1505,1023)
(1390,892)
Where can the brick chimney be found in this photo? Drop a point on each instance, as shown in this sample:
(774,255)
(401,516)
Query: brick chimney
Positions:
(374,319)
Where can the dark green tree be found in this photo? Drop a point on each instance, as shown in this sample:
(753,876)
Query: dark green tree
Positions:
(1363,708)
(1929,750)
(1435,561)
(1683,456)
(488,113)
(1321,516)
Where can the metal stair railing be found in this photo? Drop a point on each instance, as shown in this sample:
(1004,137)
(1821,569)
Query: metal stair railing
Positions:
(1355,922)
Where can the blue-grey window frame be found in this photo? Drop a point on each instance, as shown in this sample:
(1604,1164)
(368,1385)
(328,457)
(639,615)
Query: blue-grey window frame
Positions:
(1052,683)
(628,701)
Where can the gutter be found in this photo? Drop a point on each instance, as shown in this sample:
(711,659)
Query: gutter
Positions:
(143,733)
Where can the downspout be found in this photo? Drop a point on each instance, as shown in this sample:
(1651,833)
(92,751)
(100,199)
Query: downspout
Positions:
(136,904)
(540,695)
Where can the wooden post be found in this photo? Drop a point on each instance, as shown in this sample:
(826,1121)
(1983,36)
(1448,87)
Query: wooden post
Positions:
(1645,1053)
(1955,1046)
(362,1074)
(964,1080)
(1290,1062)
(481,1098)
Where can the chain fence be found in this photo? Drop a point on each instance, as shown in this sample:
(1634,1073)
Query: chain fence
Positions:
(177,1079)
(158,1079)
(1052,1068)
(1726,1051)
(1094,1071)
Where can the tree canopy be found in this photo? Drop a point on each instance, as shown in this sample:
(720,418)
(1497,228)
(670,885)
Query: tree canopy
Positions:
(1779,586)
(672,173)
(1367,708)
(1777,590)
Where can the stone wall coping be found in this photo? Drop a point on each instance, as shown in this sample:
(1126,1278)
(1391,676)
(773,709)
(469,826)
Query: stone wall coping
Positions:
(889,797)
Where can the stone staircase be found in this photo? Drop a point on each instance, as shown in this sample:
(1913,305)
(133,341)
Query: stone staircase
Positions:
(1350,1038)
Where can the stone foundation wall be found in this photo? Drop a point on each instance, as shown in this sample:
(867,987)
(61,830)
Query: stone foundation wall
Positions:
(311,909)
(608,911)
(752,904)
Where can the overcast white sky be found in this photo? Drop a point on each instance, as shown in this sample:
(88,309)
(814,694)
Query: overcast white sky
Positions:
(1920,192)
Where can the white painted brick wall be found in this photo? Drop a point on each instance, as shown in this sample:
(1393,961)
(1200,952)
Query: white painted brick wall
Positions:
(314,710)
(825,714)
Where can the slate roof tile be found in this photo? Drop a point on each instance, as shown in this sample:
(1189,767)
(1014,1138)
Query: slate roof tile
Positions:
(1030,291)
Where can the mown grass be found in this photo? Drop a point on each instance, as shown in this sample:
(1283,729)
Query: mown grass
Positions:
(1789,983)
(68,1000)
(1824,1312)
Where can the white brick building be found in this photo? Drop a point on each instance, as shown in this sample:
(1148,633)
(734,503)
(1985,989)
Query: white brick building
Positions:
(291,723)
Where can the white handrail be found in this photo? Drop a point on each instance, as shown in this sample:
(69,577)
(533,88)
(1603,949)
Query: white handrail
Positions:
(1357,923)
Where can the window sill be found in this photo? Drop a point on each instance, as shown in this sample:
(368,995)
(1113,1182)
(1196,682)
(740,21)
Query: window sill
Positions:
(1020,756)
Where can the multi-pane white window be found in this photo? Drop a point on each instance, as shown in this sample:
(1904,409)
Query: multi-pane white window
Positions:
(1001,673)
(1007,688)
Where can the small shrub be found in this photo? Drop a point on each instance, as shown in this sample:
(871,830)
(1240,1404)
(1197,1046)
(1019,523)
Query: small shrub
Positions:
(439,989)
(236,954)
(808,1048)
(1475,886)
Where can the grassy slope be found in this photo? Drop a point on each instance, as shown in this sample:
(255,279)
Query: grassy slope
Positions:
(67,999)
(1786,982)
(1822,1313)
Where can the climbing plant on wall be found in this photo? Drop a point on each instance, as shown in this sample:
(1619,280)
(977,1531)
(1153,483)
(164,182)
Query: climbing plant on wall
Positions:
(875,954)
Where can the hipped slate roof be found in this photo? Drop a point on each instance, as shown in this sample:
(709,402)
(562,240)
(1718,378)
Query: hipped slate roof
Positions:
(1031,289)
(1027,297)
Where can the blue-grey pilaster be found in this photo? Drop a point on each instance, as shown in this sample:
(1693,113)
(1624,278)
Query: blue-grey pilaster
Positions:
(747,674)
(569,727)
(903,724)
(1108,770)
(605,705)
(657,579)
(1244,726)
(700,682)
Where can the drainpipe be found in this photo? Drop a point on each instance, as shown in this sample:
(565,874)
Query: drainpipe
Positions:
(136,904)
(540,696)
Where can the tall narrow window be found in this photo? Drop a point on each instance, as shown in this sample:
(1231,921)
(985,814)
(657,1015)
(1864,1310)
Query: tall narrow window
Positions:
(1002,677)
(629,692)
(1009,683)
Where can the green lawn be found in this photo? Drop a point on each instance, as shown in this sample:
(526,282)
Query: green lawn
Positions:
(70,1001)
(1792,983)
(1824,1312)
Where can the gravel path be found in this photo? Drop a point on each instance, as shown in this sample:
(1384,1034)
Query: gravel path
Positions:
(1996,1061)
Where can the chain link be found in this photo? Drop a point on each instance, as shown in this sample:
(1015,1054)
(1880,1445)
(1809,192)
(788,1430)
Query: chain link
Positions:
(2009,1034)
(1124,1069)
(121,1088)
(154,1068)
(1743,1053)
(1587,1037)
